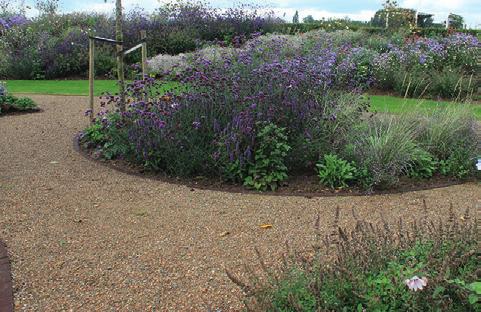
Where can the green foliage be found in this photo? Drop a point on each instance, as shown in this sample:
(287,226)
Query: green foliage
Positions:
(459,164)
(10,103)
(449,135)
(452,84)
(366,268)
(423,165)
(94,133)
(335,172)
(24,104)
(268,169)
(292,291)
(456,21)
(364,178)
(385,147)
(328,134)
(295,18)
(110,139)
(308,19)
(393,17)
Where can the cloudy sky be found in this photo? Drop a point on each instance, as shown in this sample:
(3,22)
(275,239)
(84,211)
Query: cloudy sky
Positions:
(355,9)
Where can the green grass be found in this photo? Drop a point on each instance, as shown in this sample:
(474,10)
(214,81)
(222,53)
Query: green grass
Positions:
(60,87)
(398,105)
(379,103)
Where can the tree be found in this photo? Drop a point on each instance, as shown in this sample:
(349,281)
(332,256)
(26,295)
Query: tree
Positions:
(49,7)
(119,37)
(308,19)
(394,17)
(390,5)
(425,20)
(456,21)
(295,18)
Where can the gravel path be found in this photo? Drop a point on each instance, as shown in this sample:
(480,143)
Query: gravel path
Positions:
(85,238)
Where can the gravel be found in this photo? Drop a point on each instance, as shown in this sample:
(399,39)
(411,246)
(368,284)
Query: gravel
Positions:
(83,237)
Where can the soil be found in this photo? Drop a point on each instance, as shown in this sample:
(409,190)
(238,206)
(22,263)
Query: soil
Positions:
(306,185)
(84,237)
(10,110)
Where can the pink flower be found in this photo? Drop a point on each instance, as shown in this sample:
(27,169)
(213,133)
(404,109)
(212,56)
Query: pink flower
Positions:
(415,283)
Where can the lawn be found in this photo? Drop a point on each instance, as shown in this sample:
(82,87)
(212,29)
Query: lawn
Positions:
(379,103)
(60,87)
(397,105)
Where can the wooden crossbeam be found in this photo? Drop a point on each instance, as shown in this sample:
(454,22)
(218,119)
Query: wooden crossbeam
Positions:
(133,49)
(106,40)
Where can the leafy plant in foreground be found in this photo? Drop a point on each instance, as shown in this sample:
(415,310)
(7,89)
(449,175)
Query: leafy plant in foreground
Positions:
(416,266)
(423,165)
(268,169)
(94,134)
(335,172)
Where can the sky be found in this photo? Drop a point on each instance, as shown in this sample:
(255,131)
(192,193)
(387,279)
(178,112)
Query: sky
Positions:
(354,9)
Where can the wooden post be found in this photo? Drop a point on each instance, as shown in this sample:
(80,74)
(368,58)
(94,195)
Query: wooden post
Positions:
(119,37)
(143,37)
(91,77)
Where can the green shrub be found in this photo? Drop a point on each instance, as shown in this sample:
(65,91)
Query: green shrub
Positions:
(459,164)
(452,84)
(95,134)
(371,267)
(383,146)
(449,135)
(423,165)
(328,133)
(335,172)
(411,82)
(268,169)
(24,104)
(12,103)
(109,139)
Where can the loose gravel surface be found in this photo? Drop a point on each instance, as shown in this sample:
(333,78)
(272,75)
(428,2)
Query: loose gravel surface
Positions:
(83,237)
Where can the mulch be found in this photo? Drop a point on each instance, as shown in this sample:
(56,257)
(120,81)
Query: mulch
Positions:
(10,112)
(6,292)
(304,185)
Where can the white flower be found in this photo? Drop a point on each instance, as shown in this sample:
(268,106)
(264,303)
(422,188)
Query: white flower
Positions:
(478,164)
(415,283)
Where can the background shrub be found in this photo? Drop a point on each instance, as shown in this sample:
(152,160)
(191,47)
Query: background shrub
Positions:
(448,131)
(385,147)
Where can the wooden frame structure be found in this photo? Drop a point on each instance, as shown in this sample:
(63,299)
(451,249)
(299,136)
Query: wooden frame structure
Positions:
(120,57)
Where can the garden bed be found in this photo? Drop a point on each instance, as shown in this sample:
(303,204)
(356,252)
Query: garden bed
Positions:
(13,111)
(256,115)
(10,104)
(306,185)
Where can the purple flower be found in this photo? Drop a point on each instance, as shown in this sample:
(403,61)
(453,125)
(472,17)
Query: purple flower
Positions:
(422,59)
(196,125)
